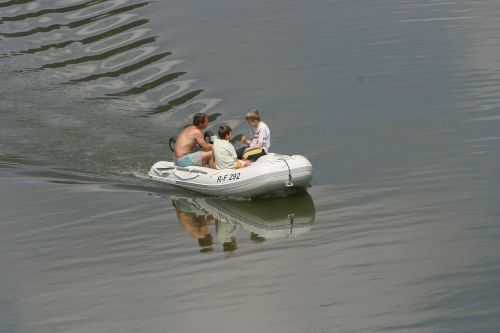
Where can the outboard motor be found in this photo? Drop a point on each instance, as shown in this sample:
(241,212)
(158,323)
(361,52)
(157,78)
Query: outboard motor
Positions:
(209,136)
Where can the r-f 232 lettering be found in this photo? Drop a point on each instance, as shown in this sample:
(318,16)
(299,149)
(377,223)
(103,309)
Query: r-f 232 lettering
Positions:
(229,177)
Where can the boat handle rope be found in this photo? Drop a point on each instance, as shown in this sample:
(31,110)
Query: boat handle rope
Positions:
(160,171)
(181,178)
(289,181)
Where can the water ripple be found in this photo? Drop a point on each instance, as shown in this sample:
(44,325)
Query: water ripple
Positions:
(126,69)
(114,49)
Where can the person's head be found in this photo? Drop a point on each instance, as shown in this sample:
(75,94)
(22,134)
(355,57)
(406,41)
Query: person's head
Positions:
(255,238)
(206,241)
(200,120)
(230,246)
(253,117)
(224,132)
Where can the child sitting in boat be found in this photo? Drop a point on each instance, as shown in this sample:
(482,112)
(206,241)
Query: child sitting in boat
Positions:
(224,154)
(261,137)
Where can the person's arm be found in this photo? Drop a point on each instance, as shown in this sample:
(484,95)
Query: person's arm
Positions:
(252,147)
(244,140)
(201,141)
(261,138)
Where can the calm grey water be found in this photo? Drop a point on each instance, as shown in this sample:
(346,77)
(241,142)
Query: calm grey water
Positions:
(396,104)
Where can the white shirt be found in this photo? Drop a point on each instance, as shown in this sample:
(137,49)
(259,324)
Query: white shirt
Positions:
(261,135)
(224,154)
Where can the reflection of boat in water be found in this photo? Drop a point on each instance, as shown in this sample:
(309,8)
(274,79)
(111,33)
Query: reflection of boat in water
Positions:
(272,172)
(265,219)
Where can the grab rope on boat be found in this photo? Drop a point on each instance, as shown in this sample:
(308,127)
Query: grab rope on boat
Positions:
(289,181)
(184,178)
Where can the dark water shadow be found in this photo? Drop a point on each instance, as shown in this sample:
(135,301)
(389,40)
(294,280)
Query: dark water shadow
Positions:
(117,45)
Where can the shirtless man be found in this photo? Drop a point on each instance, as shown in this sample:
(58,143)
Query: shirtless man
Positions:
(194,224)
(185,153)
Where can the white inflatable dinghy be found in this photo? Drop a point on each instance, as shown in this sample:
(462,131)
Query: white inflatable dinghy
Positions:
(272,172)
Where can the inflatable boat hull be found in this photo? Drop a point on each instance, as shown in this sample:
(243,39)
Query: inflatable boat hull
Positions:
(272,172)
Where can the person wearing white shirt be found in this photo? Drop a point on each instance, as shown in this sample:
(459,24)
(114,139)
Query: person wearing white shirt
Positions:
(224,153)
(261,137)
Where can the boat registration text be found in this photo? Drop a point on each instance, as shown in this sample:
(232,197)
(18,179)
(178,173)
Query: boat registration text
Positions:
(228,177)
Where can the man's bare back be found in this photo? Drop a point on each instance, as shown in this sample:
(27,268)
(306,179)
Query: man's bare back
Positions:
(188,139)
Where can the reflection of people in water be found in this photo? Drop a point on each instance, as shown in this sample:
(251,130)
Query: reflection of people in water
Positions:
(226,232)
(203,217)
(255,238)
(194,224)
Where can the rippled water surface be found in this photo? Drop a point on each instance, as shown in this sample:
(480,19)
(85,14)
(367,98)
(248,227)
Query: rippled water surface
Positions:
(395,103)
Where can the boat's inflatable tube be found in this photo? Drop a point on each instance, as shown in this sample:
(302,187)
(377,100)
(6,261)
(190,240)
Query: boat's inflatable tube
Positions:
(269,173)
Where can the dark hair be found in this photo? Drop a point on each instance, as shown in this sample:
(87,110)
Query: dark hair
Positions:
(230,246)
(199,118)
(206,241)
(223,131)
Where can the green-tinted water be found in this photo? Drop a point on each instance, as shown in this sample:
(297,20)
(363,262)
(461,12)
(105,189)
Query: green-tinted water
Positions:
(395,103)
